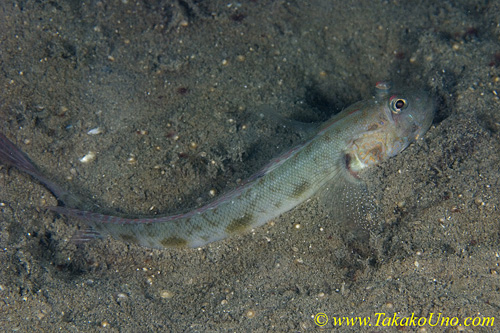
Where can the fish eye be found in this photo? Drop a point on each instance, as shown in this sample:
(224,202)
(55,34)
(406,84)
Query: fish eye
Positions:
(398,104)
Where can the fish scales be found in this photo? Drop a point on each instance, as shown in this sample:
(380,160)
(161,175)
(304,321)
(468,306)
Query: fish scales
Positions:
(362,135)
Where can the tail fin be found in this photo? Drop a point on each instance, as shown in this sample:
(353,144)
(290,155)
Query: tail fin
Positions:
(11,155)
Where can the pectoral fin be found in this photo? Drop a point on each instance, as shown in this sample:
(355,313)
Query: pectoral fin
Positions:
(348,201)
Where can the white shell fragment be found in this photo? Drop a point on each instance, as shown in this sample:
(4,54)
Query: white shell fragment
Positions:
(90,157)
(95,131)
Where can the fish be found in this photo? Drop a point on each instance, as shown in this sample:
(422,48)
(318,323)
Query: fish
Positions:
(332,161)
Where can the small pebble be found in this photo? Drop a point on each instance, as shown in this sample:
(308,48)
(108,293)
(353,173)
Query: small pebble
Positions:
(166,294)
(132,159)
(90,157)
(250,314)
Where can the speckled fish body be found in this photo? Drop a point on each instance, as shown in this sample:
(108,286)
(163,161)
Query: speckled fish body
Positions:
(362,135)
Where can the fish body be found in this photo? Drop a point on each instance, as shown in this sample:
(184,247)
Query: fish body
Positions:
(364,134)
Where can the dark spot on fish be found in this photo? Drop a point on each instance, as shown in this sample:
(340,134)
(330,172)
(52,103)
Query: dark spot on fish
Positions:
(174,242)
(182,90)
(240,224)
(300,189)
(372,127)
(128,238)
(347,159)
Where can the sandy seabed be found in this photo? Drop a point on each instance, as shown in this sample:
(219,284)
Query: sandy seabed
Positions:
(174,89)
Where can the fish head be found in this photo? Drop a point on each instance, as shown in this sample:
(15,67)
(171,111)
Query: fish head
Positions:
(387,126)
(410,113)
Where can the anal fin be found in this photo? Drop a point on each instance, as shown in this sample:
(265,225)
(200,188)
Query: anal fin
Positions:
(85,235)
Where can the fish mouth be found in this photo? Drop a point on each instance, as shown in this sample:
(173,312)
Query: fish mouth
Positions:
(422,113)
